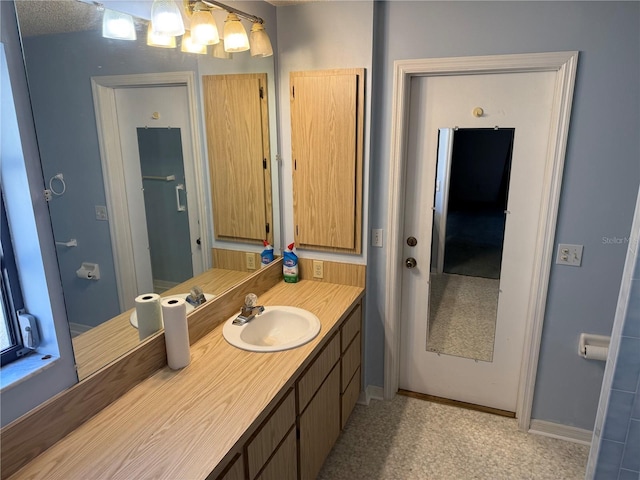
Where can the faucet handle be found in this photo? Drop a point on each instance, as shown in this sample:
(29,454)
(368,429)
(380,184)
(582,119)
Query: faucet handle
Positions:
(251,300)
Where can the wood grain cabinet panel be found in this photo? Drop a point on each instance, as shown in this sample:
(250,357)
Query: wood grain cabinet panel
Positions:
(271,434)
(311,380)
(235,470)
(350,327)
(350,362)
(327,131)
(237,130)
(283,464)
(320,426)
(350,397)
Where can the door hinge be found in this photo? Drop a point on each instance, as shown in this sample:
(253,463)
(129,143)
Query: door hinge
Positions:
(293,91)
(261,92)
(297,231)
(264,163)
(295,164)
(267,227)
(47,195)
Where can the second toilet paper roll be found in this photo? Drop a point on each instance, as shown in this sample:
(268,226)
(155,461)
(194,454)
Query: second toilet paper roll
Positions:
(596,353)
(176,332)
(149,313)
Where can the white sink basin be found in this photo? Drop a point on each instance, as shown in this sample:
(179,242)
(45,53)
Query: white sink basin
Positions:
(276,329)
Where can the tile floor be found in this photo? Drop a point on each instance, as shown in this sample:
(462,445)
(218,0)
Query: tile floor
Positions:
(411,439)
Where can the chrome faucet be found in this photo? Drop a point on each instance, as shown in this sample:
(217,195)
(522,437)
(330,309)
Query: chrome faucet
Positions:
(249,310)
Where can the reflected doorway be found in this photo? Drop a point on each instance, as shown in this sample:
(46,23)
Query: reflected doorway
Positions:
(471,192)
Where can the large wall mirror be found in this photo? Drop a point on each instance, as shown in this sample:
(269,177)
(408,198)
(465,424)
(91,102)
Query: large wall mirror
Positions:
(124,141)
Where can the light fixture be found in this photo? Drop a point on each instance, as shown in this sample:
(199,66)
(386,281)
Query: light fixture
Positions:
(260,43)
(204,30)
(166,18)
(118,25)
(188,46)
(159,40)
(235,36)
(218,51)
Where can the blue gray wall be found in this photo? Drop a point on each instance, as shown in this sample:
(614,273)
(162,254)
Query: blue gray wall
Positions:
(601,175)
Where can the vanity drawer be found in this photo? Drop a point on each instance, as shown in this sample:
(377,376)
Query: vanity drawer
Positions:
(351,326)
(270,434)
(350,397)
(235,470)
(350,361)
(283,465)
(317,372)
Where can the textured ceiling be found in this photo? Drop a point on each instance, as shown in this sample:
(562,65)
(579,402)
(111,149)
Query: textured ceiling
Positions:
(41,17)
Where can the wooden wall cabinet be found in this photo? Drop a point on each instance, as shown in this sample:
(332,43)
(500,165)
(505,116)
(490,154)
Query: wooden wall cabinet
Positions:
(237,131)
(327,141)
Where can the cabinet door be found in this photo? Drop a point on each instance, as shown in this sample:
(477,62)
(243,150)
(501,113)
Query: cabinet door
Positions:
(237,126)
(320,426)
(327,109)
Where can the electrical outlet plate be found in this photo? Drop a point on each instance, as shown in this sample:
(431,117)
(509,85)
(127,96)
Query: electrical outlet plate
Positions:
(251,261)
(376,237)
(569,254)
(318,269)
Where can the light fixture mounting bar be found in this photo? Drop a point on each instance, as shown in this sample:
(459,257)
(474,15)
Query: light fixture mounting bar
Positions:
(240,13)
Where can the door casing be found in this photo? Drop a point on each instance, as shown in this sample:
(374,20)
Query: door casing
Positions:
(564,65)
(103,89)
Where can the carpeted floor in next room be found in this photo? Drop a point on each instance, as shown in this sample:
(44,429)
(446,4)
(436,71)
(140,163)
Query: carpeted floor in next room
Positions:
(411,439)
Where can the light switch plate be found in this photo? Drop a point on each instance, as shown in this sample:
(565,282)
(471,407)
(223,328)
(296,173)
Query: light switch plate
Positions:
(376,237)
(569,254)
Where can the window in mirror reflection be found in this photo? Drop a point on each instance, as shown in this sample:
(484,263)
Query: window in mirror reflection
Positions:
(472,183)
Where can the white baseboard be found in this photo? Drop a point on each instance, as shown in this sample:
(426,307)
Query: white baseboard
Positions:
(371,392)
(78,328)
(562,432)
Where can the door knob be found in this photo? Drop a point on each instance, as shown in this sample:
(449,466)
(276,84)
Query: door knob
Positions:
(410,262)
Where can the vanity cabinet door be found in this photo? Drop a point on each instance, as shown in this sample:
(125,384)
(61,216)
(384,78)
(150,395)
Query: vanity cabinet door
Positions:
(327,113)
(235,471)
(283,464)
(320,426)
(269,436)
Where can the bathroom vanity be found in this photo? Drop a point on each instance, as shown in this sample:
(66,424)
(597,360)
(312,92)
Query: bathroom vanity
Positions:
(230,414)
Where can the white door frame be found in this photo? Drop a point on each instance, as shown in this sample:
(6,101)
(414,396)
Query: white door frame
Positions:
(103,89)
(564,64)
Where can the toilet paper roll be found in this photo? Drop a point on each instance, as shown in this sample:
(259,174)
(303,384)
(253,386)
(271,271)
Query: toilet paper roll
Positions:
(149,313)
(596,353)
(176,332)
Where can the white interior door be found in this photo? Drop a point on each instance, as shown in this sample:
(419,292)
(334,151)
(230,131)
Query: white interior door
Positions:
(522,101)
(154,107)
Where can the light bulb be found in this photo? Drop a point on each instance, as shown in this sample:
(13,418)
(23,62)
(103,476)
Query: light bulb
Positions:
(235,36)
(166,18)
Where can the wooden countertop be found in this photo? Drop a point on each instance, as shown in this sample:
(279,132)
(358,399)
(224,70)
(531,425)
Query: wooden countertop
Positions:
(181,424)
(110,340)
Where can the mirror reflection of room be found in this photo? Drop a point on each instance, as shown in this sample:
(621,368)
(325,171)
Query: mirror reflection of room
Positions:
(108,124)
(470,208)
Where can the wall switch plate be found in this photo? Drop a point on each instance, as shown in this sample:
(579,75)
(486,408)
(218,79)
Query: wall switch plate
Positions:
(376,237)
(569,254)
(251,261)
(101,212)
(318,269)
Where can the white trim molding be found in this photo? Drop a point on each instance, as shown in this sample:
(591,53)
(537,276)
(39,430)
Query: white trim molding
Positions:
(103,89)
(562,432)
(564,65)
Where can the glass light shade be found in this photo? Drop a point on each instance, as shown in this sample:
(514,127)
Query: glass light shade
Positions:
(235,36)
(188,46)
(118,25)
(204,30)
(260,42)
(166,18)
(218,51)
(159,40)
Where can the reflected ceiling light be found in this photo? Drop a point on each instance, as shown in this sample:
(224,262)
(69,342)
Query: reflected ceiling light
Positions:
(235,36)
(204,30)
(260,42)
(118,25)
(218,51)
(159,40)
(188,46)
(166,18)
